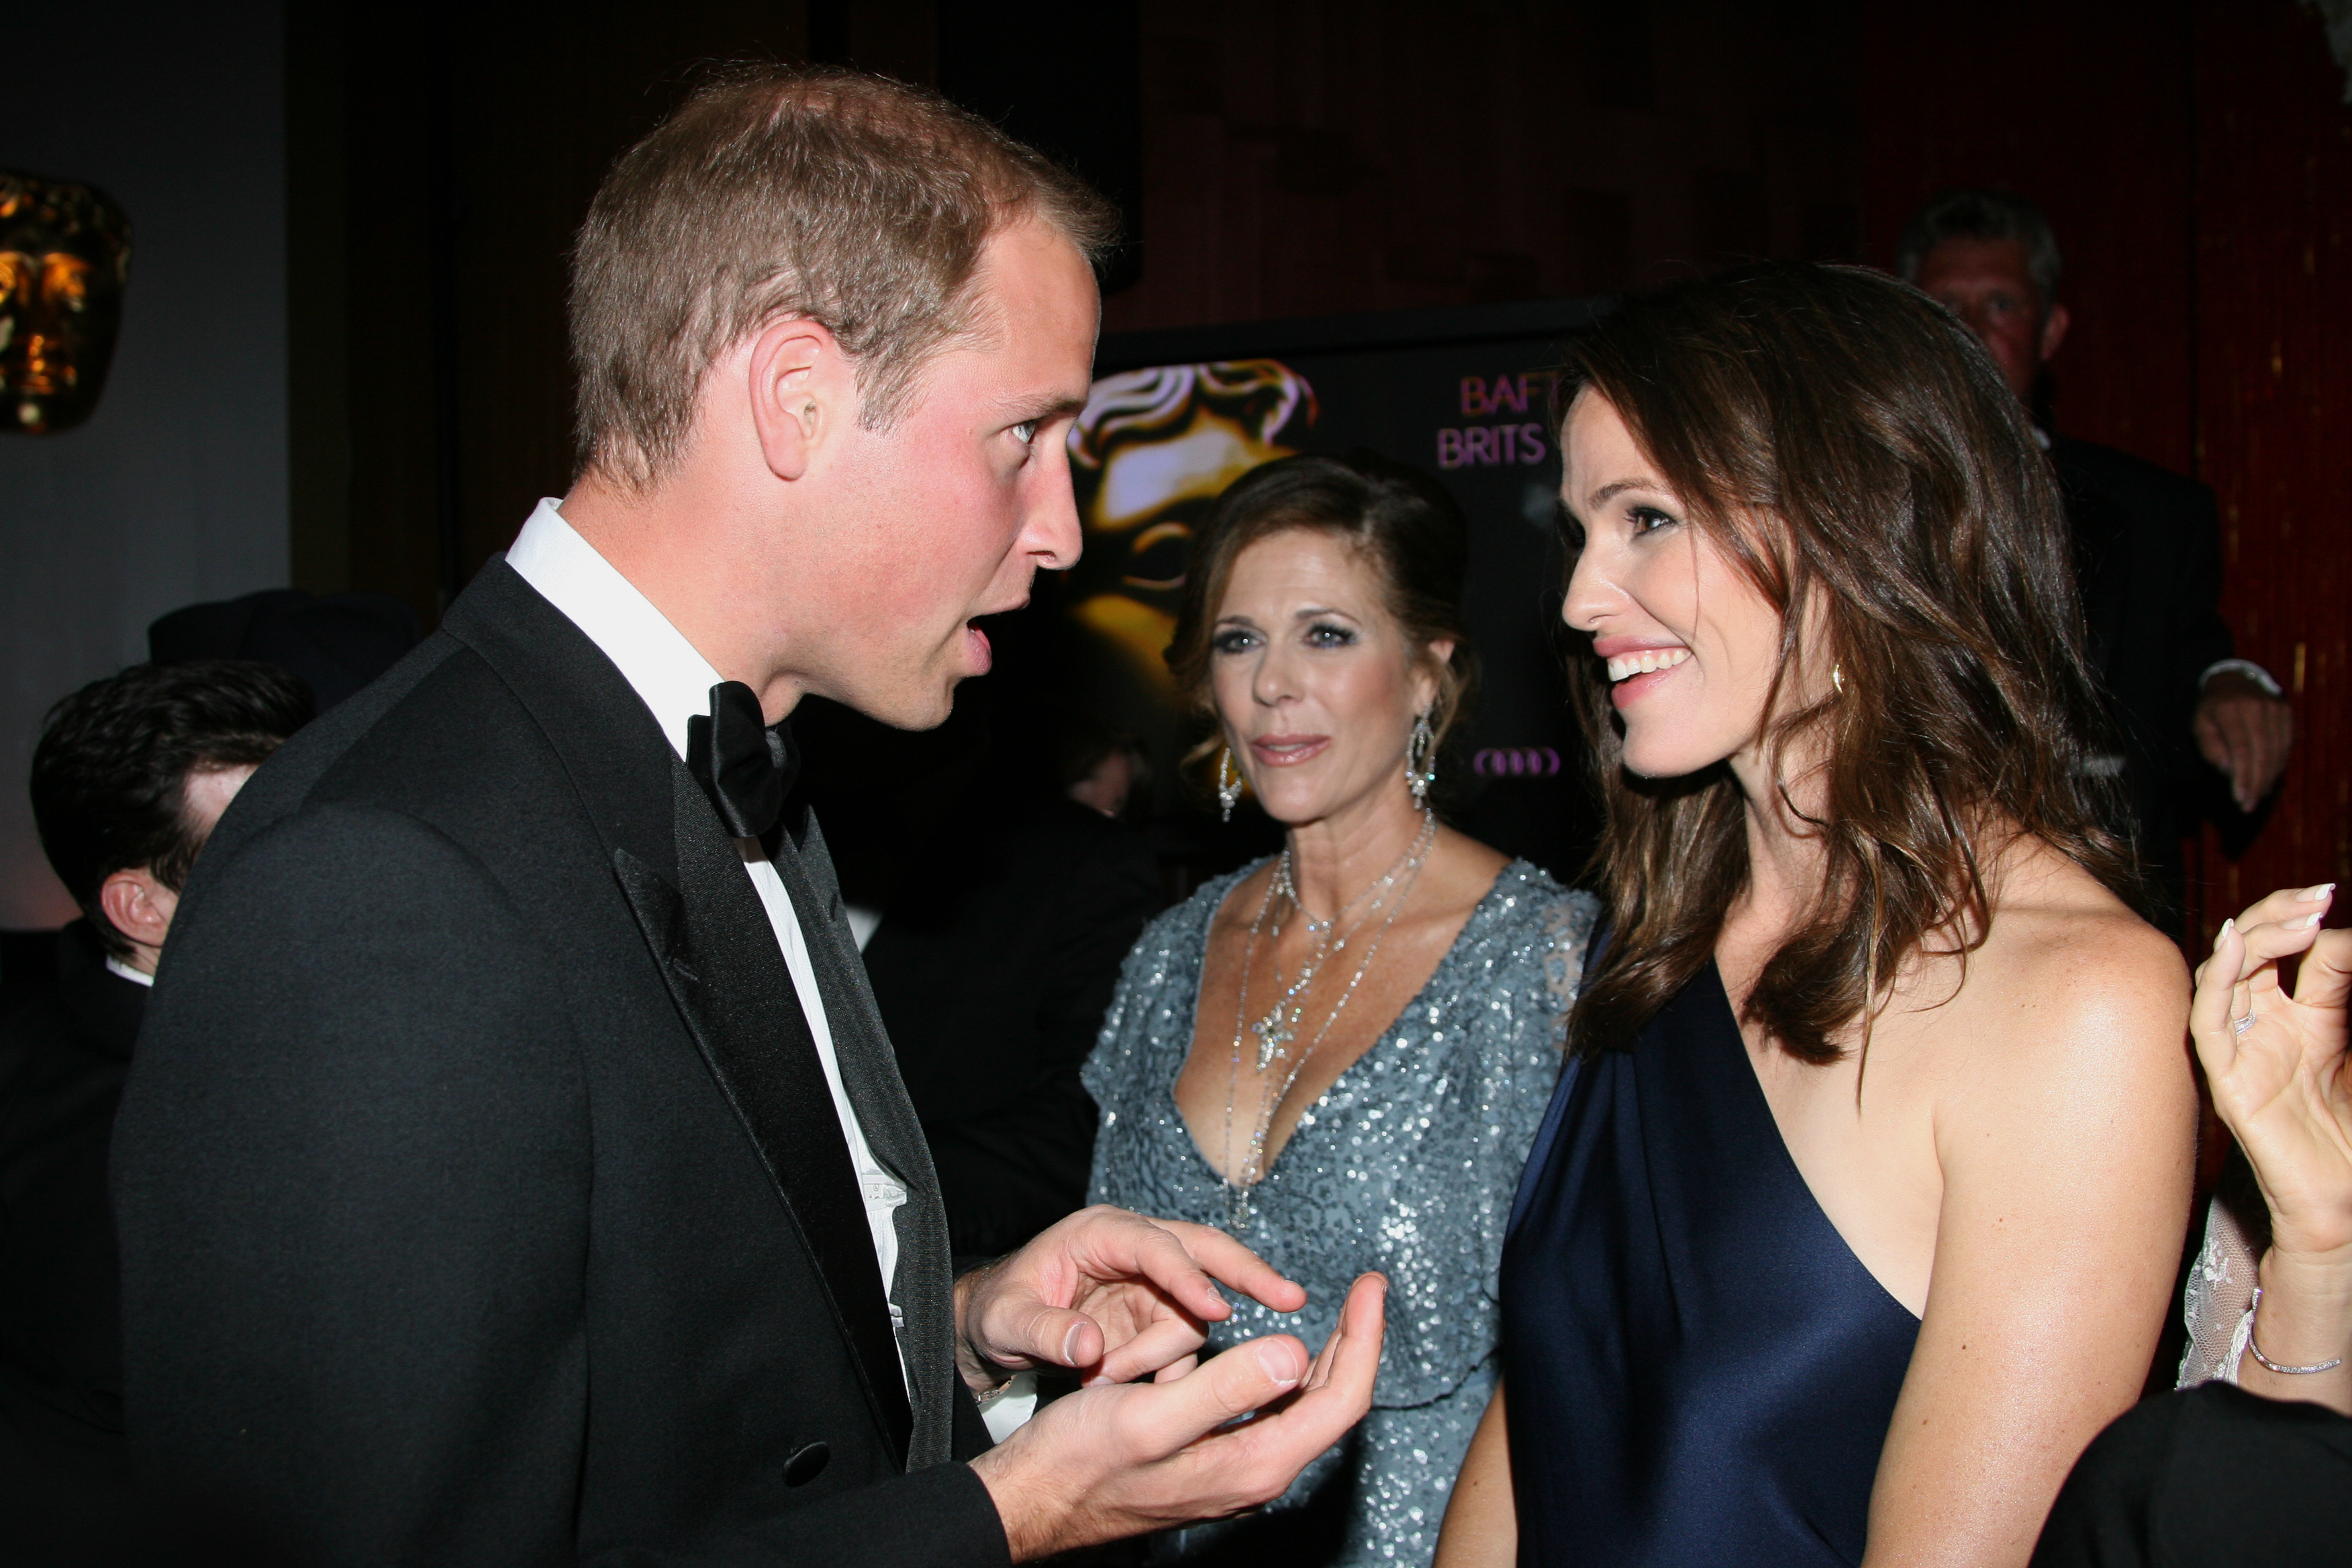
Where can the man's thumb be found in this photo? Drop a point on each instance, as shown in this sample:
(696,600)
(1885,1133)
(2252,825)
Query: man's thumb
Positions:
(1282,1358)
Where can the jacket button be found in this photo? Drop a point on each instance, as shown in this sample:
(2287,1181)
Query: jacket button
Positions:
(805,1466)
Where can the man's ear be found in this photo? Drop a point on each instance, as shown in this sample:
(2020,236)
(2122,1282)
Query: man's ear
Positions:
(2053,332)
(139,907)
(796,370)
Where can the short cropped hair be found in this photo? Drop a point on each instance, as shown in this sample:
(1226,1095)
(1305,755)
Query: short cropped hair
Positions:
(1987,214)
(848,200)
(112,768)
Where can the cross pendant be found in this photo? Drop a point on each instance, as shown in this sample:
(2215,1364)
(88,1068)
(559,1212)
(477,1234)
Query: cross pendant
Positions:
(1272,1036)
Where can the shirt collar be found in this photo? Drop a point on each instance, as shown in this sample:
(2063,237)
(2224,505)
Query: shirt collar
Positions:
(115,966)
(652,655)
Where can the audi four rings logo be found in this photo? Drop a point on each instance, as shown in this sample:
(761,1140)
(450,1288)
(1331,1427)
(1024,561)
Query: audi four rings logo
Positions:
(1516,762)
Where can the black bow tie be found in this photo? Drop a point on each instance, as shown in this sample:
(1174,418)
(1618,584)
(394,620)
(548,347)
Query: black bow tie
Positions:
(744,766)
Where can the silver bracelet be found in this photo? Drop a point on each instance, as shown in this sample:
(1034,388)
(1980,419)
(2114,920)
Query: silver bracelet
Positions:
(2274,1366)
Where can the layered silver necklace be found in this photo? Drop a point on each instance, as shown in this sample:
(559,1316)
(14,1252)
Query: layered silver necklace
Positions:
(1277,1031)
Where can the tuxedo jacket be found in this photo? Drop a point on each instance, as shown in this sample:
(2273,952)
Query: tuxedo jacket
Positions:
(480,1198)
(66,1033)
(2148,550)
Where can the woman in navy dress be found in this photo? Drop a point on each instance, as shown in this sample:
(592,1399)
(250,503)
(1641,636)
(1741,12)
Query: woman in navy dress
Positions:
(1856,1213)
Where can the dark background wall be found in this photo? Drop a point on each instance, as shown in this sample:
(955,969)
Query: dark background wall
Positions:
(2196,159)
(1306,159)
(176,490)
(1296,157)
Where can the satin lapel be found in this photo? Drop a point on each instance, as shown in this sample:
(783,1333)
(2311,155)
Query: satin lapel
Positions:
(728,977)
(685,883)
(925,1288)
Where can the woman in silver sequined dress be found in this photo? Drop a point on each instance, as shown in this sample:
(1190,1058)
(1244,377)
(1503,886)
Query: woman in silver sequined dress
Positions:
(1340,1055)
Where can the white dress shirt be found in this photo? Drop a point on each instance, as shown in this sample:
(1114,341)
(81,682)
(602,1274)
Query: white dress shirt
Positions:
(674,682)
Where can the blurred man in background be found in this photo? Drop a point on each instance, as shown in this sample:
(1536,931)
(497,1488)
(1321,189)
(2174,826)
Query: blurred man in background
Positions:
(2147,541)
(994,961)
(129,778)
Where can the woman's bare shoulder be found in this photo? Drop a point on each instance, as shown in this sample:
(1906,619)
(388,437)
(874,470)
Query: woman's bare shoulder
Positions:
(2051,916)
(2071,992)
(1467,858)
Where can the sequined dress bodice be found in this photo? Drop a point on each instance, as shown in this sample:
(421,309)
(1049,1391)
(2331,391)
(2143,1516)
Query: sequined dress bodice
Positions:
(1406,1165)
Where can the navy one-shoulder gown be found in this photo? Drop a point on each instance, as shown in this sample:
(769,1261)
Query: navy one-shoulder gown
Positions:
(1700,1372)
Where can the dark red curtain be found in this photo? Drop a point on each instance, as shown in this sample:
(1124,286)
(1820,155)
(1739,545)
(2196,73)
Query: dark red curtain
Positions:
(2196,159)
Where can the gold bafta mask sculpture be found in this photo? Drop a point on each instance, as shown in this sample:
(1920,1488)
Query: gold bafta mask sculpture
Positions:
(1151,454)
(65,254)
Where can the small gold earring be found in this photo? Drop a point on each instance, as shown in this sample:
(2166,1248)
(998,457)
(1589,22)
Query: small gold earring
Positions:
(1837,678)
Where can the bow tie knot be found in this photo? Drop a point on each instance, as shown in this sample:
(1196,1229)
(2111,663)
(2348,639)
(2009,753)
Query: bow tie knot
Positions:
(743,763)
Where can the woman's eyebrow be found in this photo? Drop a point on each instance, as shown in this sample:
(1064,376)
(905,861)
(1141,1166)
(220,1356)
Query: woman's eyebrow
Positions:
(1310,612)
(1619,487)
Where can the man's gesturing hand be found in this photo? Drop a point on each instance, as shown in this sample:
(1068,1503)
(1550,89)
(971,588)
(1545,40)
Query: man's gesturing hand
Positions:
(1111,1293)
(2246,733)
(1117,1460)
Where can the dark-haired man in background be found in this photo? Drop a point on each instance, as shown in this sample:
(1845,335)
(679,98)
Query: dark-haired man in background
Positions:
(2148,541)
(128,777)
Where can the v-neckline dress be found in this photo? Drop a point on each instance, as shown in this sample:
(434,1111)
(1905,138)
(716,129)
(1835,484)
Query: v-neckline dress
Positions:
(1701,1371)
(1405,1164)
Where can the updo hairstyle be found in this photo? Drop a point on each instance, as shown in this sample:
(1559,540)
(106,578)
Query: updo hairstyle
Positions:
(1400,521)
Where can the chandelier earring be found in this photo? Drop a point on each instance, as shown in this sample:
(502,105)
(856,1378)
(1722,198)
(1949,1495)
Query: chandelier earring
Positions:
(1420,766)
(1229,783)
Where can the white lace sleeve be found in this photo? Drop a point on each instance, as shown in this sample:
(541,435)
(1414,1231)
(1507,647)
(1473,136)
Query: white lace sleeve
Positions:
(2218,1301)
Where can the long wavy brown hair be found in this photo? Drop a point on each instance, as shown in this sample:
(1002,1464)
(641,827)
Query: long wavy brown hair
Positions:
(1849,446)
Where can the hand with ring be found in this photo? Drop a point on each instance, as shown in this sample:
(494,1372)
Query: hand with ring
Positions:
(2280,1081)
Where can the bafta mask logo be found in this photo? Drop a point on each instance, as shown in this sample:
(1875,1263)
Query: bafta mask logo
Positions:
(1151,454)
(65,254)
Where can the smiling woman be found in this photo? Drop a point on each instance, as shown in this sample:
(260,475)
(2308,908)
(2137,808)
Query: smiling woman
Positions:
(1340,1055)
(1857,1215)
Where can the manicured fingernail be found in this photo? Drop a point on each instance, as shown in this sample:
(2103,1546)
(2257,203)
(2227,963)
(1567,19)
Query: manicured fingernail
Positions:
(2223,934)
(1070,1345)
(1275,1359)
(2308,922)
(2314,895)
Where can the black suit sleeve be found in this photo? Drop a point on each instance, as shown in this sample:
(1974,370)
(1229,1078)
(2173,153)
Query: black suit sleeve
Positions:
(1106,910)
(351,1174)
(2212,1476)
(2200,637)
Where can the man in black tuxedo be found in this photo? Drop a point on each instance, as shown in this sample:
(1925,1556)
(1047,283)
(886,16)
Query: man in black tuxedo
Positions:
(2148,543)
(514,1169)
(129,776)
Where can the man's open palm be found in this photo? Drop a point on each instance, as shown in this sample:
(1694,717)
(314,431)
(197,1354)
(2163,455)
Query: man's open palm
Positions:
(1226,1435)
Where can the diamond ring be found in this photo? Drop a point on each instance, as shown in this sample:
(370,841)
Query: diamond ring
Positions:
(2243,1025)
